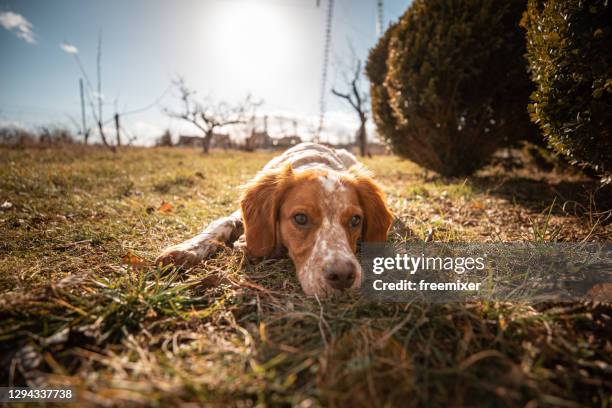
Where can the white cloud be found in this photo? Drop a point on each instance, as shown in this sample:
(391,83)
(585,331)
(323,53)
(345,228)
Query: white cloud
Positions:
(19,25)
(69,48)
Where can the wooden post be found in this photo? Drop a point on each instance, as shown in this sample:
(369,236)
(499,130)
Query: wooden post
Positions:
(117,129)
(84,128)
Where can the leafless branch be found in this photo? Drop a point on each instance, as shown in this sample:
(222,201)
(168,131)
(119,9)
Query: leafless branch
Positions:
(208,115)
(358,101)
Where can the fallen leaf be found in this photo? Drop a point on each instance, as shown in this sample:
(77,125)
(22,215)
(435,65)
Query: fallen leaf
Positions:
(133,260)
(6,205)
(477,205)
(165,207)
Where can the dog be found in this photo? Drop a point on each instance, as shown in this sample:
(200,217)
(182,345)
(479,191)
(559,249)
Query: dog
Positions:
(312,203)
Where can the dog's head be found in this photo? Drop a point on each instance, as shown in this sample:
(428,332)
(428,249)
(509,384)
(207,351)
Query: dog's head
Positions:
(318,216)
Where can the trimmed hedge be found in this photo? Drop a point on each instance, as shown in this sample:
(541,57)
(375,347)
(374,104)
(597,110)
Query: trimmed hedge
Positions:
(569,44)
(449,83)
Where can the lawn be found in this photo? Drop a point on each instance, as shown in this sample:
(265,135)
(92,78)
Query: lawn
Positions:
(81,303)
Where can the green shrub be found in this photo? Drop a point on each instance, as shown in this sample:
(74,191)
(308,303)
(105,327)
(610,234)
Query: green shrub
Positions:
(449,83)
(569,48)
(376,70)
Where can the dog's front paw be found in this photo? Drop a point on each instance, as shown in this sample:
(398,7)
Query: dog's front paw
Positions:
(240,243)
(186,256)
(178,256)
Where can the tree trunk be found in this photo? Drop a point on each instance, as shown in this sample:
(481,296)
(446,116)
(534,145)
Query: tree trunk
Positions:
(362,139)
(207,139)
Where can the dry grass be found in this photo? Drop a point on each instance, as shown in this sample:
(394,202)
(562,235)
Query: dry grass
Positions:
(230,333)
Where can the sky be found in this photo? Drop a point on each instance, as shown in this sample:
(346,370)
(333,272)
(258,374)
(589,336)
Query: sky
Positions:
(224,49)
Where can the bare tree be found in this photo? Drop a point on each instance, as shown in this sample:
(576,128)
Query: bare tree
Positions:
(208,115)
(358,100)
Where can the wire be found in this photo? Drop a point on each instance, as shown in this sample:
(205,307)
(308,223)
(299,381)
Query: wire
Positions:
(149,106)
(144,108)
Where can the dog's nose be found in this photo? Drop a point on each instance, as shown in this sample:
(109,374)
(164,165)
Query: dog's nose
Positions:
(340,274)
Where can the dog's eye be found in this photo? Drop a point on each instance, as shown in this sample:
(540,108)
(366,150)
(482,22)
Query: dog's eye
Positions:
(355,221)
(300,219)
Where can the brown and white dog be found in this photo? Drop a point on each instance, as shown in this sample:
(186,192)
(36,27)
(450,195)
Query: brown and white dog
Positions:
(313,203)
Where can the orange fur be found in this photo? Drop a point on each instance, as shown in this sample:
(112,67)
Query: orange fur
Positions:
(260,203)
(262,199)
(378,218)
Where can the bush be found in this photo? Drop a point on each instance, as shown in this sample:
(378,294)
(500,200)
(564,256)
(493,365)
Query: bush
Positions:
(376,70)
(55,135)
(449,83)
(569,48)
(14,135)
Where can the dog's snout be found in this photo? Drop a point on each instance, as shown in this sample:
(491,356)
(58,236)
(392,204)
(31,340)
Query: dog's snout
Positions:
(340,274)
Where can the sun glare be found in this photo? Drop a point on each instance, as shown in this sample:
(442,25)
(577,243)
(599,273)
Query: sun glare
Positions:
(250,41)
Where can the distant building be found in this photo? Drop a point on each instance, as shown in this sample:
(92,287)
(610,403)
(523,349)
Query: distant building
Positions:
(258,140)
(219,140)
(190,141)
(286,142)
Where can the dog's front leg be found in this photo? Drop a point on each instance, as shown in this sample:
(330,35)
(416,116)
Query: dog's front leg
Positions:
(218,233)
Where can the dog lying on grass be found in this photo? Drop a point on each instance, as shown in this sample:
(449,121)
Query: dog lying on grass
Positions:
(312,203)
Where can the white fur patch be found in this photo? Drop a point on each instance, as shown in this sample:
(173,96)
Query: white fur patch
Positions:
(331,244)
(330,182)
(207,242)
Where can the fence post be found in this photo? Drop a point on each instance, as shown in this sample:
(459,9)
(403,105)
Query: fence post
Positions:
(117,129)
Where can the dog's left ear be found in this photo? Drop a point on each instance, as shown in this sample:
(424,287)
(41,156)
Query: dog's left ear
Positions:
(377,217)
(260,203)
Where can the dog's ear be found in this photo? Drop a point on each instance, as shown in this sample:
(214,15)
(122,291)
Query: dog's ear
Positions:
(377,217)
(260,203)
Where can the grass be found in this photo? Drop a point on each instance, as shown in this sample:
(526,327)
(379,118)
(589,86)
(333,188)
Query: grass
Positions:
(81,304)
